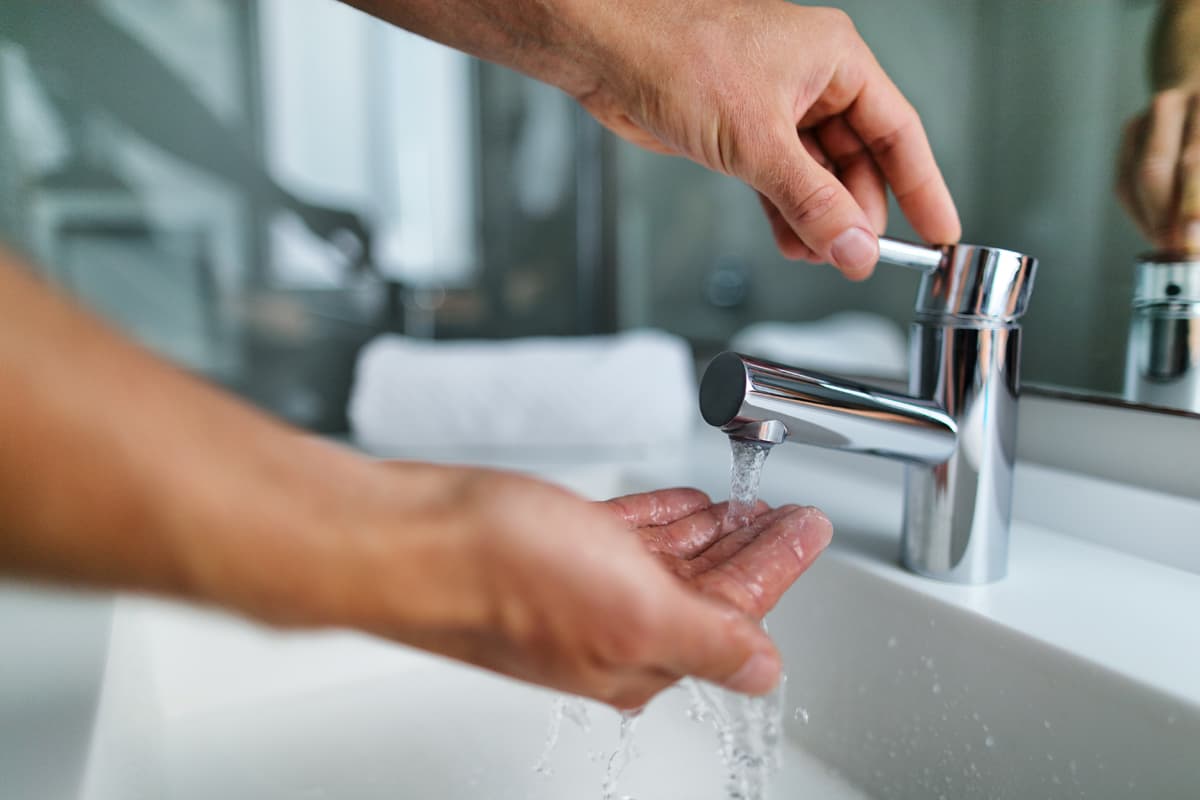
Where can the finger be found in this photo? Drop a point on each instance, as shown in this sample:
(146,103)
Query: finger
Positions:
(813,202)
(853,163)
(691,535)
(1156,169)
(891,129)
(715,643)
(1188,218)
(661,507)
(1131,143)
(633,689)
(785,238)
(723,548)
(754,578)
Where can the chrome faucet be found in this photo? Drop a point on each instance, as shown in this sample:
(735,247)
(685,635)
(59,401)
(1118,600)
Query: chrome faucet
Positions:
(956,430)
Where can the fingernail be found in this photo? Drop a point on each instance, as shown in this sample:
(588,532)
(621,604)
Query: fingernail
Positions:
(855,251)
(757,676)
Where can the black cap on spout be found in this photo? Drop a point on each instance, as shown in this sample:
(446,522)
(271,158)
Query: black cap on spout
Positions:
(722,389)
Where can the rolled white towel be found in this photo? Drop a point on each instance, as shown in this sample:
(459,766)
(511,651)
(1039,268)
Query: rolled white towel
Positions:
(849,342)
(628,391)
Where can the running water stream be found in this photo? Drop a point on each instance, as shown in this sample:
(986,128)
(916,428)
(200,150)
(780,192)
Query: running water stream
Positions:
(749,729)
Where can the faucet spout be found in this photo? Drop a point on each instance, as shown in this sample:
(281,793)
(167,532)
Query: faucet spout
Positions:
(740,395)
(955,430)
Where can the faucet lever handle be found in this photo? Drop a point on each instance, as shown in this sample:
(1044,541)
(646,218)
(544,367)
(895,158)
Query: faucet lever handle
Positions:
(906,254)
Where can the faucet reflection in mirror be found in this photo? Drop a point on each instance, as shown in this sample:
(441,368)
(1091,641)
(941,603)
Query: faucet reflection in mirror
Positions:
(1162,362)
(956,430)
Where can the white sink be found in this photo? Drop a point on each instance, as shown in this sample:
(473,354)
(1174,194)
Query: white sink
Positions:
(1035,687)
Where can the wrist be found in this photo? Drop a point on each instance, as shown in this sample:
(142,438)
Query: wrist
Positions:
(333,539)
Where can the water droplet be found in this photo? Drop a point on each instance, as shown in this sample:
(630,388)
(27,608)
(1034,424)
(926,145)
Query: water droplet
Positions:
(1074,767)
(892,641)
(937,688)
(1046,724)
(801,714)
(990,741)
(975,716)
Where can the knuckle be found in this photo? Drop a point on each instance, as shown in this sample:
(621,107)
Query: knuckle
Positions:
(810,204)
(886,144)
(838,20)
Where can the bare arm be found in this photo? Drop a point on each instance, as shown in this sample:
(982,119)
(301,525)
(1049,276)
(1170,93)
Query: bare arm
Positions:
(118,470)
(787,98)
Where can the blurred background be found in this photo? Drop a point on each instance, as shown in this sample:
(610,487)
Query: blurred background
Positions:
(256,188)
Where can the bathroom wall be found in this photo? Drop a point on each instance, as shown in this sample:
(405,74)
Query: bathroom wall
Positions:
(497,209)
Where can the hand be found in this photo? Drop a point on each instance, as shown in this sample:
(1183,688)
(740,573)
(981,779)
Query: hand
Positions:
(1158,175)
(615,601)
(787,98)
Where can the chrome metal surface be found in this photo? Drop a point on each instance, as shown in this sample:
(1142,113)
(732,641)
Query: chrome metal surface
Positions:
(957,429)
(770,431)
(739,392)
(1162,359)
(967,280)
(908,254)
(957,513)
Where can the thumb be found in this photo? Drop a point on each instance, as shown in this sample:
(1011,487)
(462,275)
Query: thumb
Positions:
(815,204)
(719,644)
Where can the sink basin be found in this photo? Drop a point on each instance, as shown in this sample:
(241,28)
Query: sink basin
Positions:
(1049,684)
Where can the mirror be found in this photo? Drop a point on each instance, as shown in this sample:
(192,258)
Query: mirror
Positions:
(1025,103)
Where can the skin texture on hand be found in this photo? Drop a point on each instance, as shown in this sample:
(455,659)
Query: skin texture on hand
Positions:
(787,98)
(119,471)
(614,601)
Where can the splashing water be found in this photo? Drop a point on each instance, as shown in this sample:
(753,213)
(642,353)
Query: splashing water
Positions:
(621,757)
(571,708)
(749,735)
(744,477)
(749,729)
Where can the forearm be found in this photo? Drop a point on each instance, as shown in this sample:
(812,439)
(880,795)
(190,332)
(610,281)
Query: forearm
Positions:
(1175,46)
(119,470)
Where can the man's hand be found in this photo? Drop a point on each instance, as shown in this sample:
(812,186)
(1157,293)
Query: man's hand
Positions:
(614,601)
(121,472)
(1159,172)
(787,98)
(790,100)
(1158,169)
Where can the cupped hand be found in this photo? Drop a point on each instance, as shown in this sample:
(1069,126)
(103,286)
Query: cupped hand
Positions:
(614,601)
(1158,173)
(787,98)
